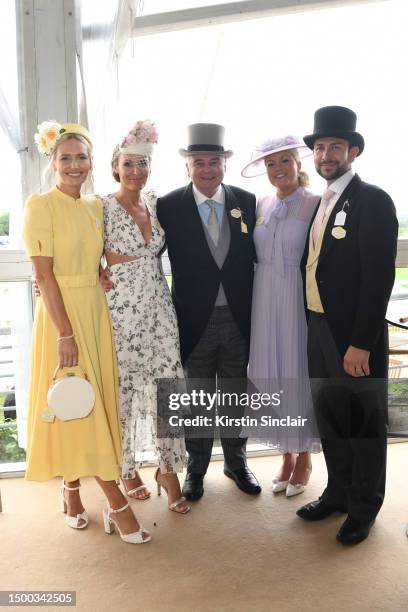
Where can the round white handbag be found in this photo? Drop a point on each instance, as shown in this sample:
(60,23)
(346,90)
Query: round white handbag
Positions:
(71,397)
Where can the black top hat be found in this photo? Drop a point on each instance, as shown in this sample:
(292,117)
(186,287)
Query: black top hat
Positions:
(336,122)
(205,138)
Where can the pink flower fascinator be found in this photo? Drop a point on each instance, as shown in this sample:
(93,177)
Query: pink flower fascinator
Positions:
(141,139)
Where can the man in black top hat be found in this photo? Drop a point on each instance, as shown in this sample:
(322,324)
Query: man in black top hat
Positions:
(209,229)
(348,268)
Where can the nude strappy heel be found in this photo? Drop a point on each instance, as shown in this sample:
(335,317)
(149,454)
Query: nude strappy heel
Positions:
(173,507)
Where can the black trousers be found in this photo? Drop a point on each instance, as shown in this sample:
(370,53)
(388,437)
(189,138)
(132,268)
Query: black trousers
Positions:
(218,363)
(351,414)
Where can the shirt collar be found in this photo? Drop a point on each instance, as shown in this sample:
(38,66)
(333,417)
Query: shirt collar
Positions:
(200,198)
(339,185)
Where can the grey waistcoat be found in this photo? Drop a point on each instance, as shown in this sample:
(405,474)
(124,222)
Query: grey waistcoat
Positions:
(219,252)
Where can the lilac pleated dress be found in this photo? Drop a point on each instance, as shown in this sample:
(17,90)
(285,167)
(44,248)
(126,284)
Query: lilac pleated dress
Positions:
(278,351)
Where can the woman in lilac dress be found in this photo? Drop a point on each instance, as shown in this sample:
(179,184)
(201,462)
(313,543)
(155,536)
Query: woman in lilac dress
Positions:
(278,334)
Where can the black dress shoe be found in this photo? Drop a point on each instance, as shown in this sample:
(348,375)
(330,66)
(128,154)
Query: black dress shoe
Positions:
(245,480)
(318,510)
(193,488)
(353,531)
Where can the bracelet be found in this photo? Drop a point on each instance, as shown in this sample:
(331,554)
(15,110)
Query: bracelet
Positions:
(65,337)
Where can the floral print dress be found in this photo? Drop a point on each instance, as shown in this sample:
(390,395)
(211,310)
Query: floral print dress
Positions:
(146,337)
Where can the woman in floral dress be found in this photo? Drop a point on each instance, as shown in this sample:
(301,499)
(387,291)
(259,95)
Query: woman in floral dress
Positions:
(143,317)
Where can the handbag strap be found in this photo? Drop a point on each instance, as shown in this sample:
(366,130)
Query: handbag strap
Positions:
(54,378)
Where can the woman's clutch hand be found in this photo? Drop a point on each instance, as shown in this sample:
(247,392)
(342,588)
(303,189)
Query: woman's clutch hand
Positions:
(104,279)
(67,352)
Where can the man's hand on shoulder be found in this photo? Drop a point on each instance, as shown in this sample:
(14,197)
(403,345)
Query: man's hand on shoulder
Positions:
(355,362)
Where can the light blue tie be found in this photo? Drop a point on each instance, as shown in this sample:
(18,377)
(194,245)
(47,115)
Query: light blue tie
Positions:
(213,225)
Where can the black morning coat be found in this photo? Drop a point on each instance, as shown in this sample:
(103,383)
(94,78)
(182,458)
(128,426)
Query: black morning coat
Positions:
(196,276)
(355,274)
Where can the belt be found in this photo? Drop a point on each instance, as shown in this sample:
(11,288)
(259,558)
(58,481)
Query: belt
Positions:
(84,280)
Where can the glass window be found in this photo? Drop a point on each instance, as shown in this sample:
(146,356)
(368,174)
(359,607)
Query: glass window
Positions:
(10,176)
(15,301)
(397,316)
(262,78)
(15,323)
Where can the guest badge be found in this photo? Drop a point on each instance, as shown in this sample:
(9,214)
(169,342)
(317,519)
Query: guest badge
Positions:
(244,228)
(340,218)
(338,232)
(236,213)
(259,220)
(342,214)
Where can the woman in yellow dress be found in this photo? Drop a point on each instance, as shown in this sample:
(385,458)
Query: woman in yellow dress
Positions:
(63,233)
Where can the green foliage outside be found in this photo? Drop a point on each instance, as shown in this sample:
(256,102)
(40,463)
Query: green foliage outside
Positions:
(403,227)
(4,224)
(401,275)
(9,449)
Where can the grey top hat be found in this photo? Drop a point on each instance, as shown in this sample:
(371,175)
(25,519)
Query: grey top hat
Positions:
(335,122)
(205,138)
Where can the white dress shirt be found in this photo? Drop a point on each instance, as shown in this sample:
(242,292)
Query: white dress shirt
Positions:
(338,186)
(204,209)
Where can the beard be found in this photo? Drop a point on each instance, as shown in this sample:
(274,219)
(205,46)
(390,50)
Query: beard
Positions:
(332,172)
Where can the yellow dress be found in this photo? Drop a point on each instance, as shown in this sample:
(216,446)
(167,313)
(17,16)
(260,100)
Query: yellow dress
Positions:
(71,232)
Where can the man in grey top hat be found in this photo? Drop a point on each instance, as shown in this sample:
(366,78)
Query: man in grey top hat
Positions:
(209,229)
(348,267)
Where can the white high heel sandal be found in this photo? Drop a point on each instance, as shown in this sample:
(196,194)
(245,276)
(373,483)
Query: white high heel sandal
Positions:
(73,521)
(130,538)
(130,492)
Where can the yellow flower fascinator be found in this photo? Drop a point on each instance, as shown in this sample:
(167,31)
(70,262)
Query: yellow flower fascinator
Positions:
(49,132)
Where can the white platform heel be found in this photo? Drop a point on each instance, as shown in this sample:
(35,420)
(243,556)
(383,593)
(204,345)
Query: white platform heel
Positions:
(73,521)
(130,538)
